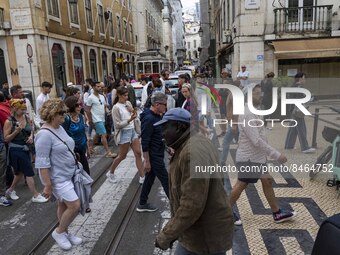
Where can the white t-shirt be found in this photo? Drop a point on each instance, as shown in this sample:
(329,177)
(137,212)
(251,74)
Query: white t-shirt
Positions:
(244,83)
(41,99)
(125,115)
(163,85)
(97,107)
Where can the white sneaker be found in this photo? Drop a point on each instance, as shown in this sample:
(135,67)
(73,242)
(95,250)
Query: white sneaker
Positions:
(310,150)
(39,199)
(12,194)
(62,240)
(220,149)
(75,240)
(141,179)
(111,177)
(238,222)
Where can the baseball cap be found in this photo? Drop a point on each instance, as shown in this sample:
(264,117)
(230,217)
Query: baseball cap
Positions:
(178,114)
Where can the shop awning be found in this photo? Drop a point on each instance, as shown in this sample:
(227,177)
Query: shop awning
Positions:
(313,48)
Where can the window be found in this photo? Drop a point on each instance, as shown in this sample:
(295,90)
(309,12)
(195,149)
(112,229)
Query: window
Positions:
(224,16)
(100,18)
(88,11)
(233,10)
(93,65)
(73,5)
(195,44)
(126,32)
(111,25)
(131,34)
(53,8)
(155,67)
(78,65)
(119,29)
(1,17)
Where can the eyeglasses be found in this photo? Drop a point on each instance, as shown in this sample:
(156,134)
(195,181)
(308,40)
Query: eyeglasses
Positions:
(61,113)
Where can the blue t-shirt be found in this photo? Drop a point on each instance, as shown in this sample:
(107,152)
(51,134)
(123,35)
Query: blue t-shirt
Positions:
(76,130)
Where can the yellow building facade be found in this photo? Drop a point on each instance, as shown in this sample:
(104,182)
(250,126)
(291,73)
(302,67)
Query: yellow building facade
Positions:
(63,41)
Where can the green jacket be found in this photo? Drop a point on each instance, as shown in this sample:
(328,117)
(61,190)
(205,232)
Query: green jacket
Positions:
(132,95)
(201,216)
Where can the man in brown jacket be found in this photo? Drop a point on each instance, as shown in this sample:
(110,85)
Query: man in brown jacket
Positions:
(201,218)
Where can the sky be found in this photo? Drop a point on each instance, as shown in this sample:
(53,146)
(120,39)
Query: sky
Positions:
(188,3)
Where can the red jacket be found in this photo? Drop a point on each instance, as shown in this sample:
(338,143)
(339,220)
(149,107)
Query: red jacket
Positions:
(5,112)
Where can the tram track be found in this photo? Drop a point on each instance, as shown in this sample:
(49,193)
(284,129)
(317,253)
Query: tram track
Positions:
(118,234)
(104,165)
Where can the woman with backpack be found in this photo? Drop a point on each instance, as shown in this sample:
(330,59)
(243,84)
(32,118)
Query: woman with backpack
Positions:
(19,136)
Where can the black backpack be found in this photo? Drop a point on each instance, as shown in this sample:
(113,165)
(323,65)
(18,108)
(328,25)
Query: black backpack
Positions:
(148,100)
(327,240)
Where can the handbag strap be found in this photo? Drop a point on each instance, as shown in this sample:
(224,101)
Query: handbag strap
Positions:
(64,142)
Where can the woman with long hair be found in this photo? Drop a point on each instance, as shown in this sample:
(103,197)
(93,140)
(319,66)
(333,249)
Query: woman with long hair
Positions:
(190,103)
(18,134)
(126,136)
(74,125)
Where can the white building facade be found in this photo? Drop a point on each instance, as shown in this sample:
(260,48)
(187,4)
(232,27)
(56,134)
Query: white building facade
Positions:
(284,37)
(193,41)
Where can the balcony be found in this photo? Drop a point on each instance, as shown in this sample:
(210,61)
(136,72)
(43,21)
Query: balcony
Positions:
(301,20)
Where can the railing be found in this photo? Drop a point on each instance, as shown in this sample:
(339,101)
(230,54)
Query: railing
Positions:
(303,19)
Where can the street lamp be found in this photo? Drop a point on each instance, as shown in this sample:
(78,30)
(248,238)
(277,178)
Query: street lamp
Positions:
(200,32)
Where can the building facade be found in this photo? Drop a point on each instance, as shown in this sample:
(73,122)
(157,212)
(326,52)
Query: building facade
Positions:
(66,41)
(178,31)
(193,41)
(283,37)
(168,23)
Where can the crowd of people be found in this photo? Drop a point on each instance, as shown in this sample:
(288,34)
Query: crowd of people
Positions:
(59,133)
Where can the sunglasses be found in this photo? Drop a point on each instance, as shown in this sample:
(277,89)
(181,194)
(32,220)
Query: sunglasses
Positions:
(100,101)
(77,105)
(61,113)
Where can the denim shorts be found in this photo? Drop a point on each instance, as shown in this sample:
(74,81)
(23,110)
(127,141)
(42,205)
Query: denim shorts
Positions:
(21,162)
(100,128)
(127,136)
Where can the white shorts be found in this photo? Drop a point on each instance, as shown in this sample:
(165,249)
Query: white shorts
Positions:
(65,191)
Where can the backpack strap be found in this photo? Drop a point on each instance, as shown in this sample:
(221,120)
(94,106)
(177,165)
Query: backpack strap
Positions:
(64,142)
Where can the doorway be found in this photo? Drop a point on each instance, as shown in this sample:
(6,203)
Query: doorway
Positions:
(3,74)
(58,61)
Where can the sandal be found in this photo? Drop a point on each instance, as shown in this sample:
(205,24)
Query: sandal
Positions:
(110,155)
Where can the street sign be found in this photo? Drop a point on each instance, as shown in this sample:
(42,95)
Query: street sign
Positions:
(259,57)
(252,4)
(29,50)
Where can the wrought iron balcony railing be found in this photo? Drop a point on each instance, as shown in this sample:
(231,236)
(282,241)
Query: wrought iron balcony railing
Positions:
(303,19)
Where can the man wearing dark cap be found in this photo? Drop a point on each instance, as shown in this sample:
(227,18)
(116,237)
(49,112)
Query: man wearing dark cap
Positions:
(201,218)
(153,150)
